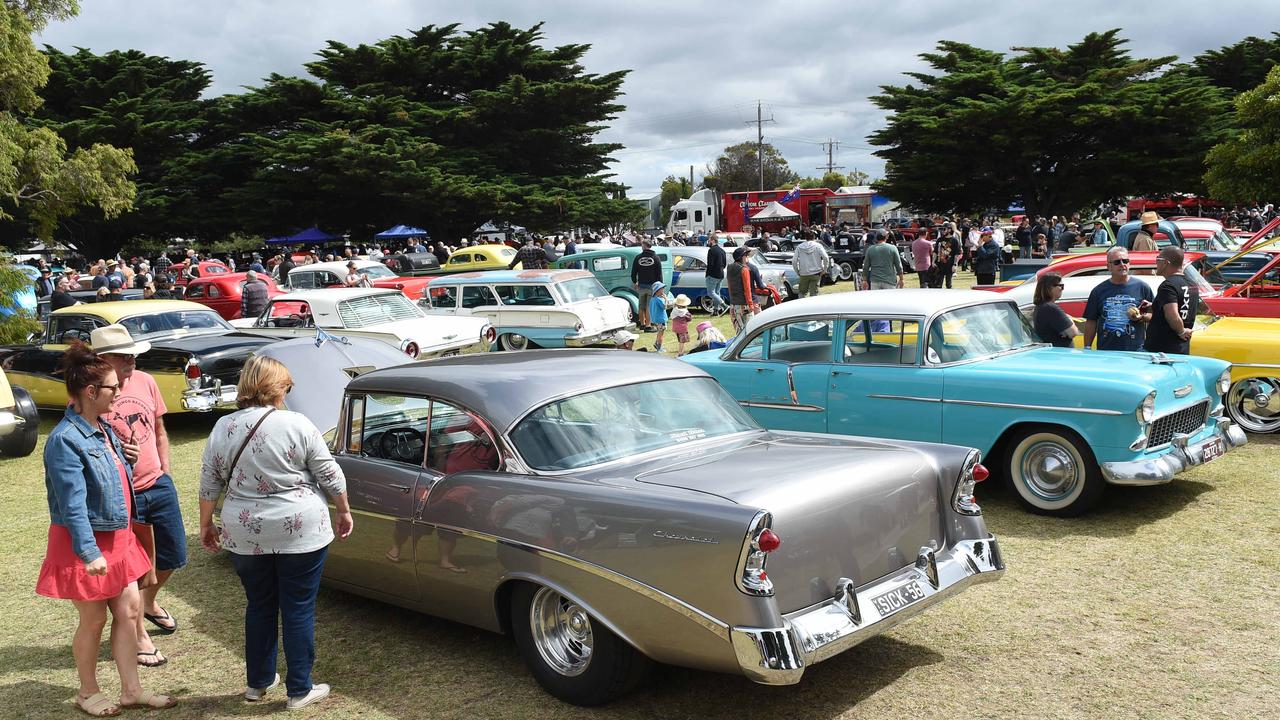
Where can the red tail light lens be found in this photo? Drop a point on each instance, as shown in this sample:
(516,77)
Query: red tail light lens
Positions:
(490,334)
(411,350)
(768,541)
(193,371)
(980,472)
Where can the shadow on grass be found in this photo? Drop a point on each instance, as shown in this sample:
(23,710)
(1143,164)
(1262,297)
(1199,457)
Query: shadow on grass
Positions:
(407,664)
(1120,512)
(31,694)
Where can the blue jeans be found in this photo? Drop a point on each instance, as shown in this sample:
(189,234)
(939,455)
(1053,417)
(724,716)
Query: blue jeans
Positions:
(713,289)
(284,586)
(1024,251)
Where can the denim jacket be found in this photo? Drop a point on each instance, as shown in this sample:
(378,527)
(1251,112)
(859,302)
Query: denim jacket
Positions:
(85,494)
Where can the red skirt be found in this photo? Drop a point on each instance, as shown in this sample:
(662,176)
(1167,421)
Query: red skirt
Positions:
(62,574)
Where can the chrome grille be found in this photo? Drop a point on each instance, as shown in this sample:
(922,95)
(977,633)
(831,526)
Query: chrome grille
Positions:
(1187,421)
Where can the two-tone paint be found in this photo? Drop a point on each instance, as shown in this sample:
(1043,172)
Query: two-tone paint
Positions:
(612,267)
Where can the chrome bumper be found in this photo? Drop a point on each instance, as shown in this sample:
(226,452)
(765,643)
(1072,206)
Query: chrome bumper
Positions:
(577,341)
(1182,456)
(218,397)
(449,351)
(10,423)
(778,656)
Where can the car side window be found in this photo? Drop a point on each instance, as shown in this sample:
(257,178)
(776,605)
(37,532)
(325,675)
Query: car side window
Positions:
(195,290)
(288,313)
(801,341)
(524,295)
(458,442)
(444,297)
(391,427)
(65,328)
(753,350)
(872,341)
(458,258)
(612,262)
(214,291)
(477,296)
(304,280)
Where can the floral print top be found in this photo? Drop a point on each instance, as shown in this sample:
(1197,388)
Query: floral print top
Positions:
(276,492)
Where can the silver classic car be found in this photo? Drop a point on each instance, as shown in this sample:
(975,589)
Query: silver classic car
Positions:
(610,509)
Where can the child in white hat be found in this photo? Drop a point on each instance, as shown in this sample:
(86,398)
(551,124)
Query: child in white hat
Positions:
(680,318)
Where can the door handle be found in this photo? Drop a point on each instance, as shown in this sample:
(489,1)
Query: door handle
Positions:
(841,372)
(764,369)
(401,488)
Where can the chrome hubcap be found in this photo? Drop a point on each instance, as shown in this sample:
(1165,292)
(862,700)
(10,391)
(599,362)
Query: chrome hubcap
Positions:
(517,342)
(1050,470)
(561,632)
(846,271)
(1255,404)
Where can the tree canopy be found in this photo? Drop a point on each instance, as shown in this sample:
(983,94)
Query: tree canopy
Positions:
(1055,129)
(1247,167)
(737,169)
(40,180)
(1240,66)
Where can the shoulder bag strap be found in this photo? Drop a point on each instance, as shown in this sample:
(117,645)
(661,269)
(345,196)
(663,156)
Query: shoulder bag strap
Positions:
(231,468)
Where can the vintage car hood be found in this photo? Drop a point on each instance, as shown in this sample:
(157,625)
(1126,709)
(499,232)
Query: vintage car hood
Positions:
(1049,364)
(845,507)
(602,314)
(429,331)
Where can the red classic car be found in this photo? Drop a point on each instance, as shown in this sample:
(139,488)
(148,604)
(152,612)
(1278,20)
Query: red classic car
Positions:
(332,274)
(1259,296)
(222,292)
(206,268)
(1140,262)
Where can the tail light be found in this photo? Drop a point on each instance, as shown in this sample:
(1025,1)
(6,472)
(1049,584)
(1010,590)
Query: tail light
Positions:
(411,349)
(973,473)
(194,374)
(490,334)
(760,541)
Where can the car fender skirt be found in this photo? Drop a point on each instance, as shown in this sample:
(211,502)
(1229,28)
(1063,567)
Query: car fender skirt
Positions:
(778,656)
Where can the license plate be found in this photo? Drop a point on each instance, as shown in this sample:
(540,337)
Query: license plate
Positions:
(1215,448)
(898,598)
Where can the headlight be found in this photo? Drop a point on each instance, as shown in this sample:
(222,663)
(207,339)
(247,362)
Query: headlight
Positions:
(1147,410)
(1224,381)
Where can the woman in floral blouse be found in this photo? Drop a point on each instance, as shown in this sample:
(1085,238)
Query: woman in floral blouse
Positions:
(276,472)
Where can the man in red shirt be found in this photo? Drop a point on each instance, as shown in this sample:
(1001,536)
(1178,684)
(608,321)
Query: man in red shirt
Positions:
(137,417)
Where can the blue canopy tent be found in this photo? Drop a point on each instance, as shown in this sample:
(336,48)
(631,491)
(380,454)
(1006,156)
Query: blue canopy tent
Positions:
(402,231)
(310,235)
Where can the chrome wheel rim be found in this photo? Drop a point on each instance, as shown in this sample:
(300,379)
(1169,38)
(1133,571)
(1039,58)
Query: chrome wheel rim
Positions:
(516,342)
(1254,403)
(561,632)
(708,305)
(846,271)
(1050,471)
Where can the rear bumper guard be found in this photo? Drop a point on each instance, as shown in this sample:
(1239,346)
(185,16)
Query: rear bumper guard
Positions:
(778,656)
(217,397)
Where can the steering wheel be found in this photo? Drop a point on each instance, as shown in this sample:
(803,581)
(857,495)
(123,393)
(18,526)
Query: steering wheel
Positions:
(403,444)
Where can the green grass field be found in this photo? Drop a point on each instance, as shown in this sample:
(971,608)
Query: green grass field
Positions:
(1163,603)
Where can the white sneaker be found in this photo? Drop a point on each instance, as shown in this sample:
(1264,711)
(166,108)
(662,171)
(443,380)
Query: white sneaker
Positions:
(318,692)
(255,694)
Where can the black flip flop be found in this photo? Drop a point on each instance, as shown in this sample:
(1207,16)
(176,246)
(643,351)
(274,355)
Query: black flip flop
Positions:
(153,654)
(155,620)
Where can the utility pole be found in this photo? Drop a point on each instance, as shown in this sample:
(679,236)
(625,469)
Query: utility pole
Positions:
(759,123)
(830,145)
(690,180)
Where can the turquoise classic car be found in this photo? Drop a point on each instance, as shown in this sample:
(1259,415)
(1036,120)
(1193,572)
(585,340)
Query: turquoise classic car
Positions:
(612,267)
(963,367)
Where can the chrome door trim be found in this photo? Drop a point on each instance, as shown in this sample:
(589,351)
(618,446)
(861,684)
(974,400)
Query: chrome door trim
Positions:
(713,624)
(905,397)
(780,406)
(1019,406)
(1257,365)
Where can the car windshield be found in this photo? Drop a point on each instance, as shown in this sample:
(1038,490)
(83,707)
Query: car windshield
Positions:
(581,289)
(175,322)
(618,422)
(978,331)
(1195,278)
(376,271)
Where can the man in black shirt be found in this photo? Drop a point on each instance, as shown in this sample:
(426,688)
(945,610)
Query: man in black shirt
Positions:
(716,263)
(61,296)
(1174,313)
(646,269)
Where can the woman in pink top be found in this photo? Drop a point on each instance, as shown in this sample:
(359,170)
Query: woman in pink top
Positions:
(922,257)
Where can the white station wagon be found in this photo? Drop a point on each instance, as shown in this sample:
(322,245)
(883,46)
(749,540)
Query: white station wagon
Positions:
(534,308)
(377,313)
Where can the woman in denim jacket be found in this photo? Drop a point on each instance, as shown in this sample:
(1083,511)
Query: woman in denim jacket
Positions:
(92,557)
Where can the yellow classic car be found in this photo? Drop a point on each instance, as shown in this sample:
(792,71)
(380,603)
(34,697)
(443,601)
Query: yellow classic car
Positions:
(1251,345)
(19,420)
(195,355)
(479,257)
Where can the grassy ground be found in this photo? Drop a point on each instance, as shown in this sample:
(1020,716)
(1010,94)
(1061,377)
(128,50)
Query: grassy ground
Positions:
(1164,603)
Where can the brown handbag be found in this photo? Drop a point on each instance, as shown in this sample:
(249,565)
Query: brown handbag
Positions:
(146,535)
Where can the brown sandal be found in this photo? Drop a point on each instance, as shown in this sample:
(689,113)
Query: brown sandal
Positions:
(151,701)
(97,705)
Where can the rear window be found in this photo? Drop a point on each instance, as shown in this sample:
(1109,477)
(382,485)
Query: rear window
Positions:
(376,309)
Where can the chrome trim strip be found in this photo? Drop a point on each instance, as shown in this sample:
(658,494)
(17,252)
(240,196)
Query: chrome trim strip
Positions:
(715,625)
(905,397)
(1258,365)
(1019,406)
(780,406)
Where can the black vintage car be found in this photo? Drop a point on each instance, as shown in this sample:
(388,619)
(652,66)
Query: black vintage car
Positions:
(411,264)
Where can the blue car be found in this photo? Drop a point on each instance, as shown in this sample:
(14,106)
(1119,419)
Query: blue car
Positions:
(964,367)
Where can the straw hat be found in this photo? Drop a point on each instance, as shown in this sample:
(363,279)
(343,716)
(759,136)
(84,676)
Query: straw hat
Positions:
(682,300)
(116,339)
(1149,218)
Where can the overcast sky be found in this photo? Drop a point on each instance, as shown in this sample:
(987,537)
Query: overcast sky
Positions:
(697,68)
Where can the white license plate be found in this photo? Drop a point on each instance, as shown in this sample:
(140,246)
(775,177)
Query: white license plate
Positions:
(1215,448)
(898,598)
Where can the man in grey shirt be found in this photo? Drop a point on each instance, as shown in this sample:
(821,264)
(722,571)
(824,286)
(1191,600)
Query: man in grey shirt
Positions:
(883,264)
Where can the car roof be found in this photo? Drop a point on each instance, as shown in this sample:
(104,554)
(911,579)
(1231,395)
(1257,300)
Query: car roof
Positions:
(502,387)
(552,275)
(489,249)
(337,266)
(910,301)
(333,296)
(119,309)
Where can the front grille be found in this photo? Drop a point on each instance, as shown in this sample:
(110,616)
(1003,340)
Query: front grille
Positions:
(1187,421)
